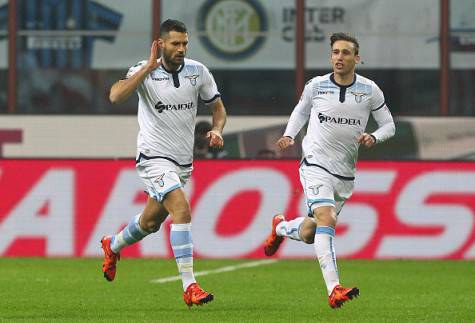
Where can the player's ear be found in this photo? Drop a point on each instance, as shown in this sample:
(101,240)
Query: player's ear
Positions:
(357,59)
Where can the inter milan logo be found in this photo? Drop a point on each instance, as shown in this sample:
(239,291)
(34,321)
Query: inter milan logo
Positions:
(232,29)
(358,96)
(315,189)
(192,78)
(160,181)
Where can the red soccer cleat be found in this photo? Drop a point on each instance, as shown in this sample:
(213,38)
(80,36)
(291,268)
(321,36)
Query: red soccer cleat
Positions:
(273,241)
(110,259)
(340,295)
(195,295)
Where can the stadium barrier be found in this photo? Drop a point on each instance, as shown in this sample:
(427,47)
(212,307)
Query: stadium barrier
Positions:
(56,137)
(398,210)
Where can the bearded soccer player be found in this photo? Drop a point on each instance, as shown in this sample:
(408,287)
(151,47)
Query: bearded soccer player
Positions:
(337,107)
(168,88)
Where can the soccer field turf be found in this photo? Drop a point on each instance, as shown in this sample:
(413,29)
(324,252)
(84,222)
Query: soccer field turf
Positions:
(74,290)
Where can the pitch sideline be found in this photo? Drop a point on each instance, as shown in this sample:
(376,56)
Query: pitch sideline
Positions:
(218,270)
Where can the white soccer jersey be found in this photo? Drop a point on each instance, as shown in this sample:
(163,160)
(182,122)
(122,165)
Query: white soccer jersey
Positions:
(167,109)
(337,116)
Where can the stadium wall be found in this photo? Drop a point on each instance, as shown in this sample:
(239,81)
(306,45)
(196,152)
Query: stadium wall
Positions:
(425,138)
(399,209)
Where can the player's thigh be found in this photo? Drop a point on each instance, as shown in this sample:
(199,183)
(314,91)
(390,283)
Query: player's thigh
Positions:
(344,190)
(177,205)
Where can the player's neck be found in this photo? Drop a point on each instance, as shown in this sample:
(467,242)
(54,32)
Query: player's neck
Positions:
(344,79)
(170,67)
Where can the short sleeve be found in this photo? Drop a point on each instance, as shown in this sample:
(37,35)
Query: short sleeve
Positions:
(134,69)
(209,90)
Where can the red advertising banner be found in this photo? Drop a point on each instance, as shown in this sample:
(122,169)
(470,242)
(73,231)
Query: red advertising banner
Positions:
(398,209)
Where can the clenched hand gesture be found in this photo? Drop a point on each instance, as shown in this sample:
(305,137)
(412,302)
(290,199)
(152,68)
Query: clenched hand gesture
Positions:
(215,139)
(284,143)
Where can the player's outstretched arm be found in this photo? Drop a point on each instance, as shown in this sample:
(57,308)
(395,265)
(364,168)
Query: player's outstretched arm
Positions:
(219,120)
(123,89)
(284,143)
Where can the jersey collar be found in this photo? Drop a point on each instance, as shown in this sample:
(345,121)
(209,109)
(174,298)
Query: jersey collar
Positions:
(332,78)
(172,72)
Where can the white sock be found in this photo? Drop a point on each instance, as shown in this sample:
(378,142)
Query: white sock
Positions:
(182,245)
(324,247)
(290,229)
(131,234)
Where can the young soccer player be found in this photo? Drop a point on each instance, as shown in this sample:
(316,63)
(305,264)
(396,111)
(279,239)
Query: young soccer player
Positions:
(337,107)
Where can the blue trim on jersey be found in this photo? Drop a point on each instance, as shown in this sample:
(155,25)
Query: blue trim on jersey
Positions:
(342,87)
(325,230)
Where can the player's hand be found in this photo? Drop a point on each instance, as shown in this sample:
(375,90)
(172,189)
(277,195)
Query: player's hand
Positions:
(153,62)
(367,140)
(215,139)
(285,142)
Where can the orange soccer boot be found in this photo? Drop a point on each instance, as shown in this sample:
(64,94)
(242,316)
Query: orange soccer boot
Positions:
(195,295)
(273,241)
(340,295)
(110,259)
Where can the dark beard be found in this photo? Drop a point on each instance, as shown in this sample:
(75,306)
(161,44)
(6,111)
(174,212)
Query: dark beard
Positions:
(170,64)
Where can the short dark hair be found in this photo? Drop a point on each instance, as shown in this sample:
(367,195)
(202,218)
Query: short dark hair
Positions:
(345,36)
(172,25)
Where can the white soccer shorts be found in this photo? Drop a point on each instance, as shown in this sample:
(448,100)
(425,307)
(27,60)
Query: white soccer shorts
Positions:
(324,189)
(162,176)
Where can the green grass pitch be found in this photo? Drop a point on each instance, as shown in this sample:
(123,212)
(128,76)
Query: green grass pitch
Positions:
(74,290)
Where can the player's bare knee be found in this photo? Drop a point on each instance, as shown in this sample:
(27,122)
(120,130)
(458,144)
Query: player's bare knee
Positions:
(325,216)
(182,214)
